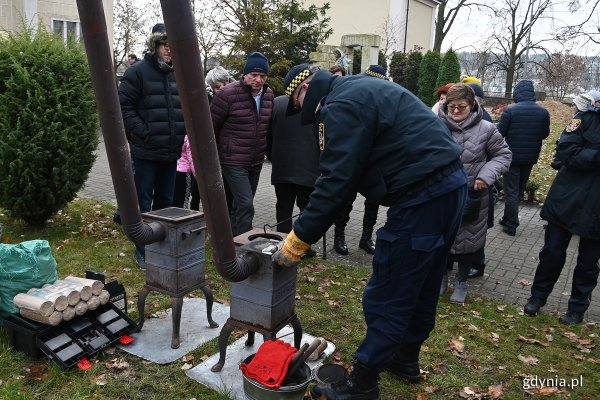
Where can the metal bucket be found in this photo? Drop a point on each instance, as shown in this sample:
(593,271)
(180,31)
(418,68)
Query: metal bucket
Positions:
(294,391)
(330,373)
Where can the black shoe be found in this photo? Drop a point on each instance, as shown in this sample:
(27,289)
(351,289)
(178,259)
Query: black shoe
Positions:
(571,318)
(533,306)
(367,245)
(117,218)
(360,384)
(509,231)
(339,245)
(405,364)
(475,273)
(501,222)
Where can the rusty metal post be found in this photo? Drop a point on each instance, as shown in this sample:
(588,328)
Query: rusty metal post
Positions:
(183,42)
(95,37)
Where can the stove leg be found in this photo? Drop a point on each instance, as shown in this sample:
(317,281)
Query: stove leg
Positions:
(269,336)
(209,304)
(176,304)
(223,338)
(142,294)
(297,331)
(250,340)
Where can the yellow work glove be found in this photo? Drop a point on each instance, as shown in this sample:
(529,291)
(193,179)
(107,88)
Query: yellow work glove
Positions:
(290,251)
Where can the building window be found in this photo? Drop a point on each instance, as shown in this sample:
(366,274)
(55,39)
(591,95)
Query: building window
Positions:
(66,29)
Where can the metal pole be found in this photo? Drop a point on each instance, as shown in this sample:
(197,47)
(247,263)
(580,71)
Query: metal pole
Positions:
(525,72)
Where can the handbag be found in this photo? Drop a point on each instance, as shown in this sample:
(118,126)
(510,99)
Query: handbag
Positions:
(473,205)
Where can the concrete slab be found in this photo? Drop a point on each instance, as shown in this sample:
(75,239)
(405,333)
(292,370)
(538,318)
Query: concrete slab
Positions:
(229,381)
(153,343)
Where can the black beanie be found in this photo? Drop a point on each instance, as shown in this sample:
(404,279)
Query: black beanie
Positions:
(256,62)
(377,71)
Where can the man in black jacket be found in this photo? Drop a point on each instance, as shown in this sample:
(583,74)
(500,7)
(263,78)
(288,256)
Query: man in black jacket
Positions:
(293,150)
(524,125)
(377,138)
(154,125)
(572,207)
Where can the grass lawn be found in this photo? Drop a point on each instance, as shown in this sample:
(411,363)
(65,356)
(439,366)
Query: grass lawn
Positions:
(482,350)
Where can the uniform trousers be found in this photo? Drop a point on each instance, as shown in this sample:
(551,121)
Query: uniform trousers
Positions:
(552,260)
(401,297)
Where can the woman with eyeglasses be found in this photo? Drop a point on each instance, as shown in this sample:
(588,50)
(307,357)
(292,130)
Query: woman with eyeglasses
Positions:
(485,158)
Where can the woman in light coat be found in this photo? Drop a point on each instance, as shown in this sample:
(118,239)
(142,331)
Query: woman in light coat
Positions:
(485,158)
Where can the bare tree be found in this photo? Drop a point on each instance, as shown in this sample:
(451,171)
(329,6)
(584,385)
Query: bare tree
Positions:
(208,20)
(510,40)
(562,74)
(588,28)
(129,27)
(446,15)
(391,30)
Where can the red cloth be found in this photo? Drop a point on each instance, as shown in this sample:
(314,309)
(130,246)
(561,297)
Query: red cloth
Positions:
(270,363)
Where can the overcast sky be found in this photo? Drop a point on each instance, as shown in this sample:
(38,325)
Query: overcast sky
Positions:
(471,29)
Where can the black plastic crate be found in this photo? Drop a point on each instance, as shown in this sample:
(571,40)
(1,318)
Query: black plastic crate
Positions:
(22,334)
(85,335)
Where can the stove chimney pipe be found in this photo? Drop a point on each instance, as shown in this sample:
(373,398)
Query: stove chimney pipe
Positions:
(194,101)
(93,27)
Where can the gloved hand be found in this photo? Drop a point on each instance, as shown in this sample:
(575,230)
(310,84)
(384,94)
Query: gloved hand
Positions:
(290,251)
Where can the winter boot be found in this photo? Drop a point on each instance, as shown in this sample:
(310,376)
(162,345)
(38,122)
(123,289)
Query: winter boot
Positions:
(444,286)
(360,384)
(366,243)
(339,242)
(405,364)
(460,292)
(533,306)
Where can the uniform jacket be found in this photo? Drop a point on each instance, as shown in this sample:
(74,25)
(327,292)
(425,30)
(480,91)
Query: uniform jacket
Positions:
(151,111)
(293,148)
(573,201)
(524,125)
(377,138)
(486,156)
(240,132)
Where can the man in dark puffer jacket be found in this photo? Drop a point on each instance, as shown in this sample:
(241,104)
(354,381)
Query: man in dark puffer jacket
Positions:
(154,126)
(524,125)
(241,114)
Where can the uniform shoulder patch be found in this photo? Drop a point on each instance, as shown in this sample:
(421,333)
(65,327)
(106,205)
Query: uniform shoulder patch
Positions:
(322,136)
(573,125)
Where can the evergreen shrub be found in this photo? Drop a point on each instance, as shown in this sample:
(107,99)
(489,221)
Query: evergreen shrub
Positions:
(428,72)
(48,123)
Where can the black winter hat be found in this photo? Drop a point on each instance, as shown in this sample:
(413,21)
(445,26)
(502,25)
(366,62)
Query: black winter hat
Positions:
(377,71)
(160,27)
(477,89)
(256,62)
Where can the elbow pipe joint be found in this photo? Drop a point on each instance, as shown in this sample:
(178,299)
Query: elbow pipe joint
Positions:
(145,233)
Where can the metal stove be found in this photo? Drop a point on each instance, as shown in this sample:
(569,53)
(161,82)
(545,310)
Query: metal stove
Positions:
(264,302)
(175,265)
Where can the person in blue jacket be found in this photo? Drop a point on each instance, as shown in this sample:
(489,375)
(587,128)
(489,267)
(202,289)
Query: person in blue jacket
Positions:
(524,125)
(572,207)
(378,139)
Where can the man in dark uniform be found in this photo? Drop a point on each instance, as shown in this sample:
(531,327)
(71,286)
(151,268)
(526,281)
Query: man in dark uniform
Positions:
(572,207)
(380,140)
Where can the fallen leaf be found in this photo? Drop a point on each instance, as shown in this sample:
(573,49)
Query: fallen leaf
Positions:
(35,372)
(494,336)
(100,380)
(117,364)
(473,328)
(546,391)
(525,282)
(186,366)
(431,389)
(466,392)
(421,396)
(528,360)
(187,357)
(456,345)
(500,307)
(495,391)
(522,338)
(441,369)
